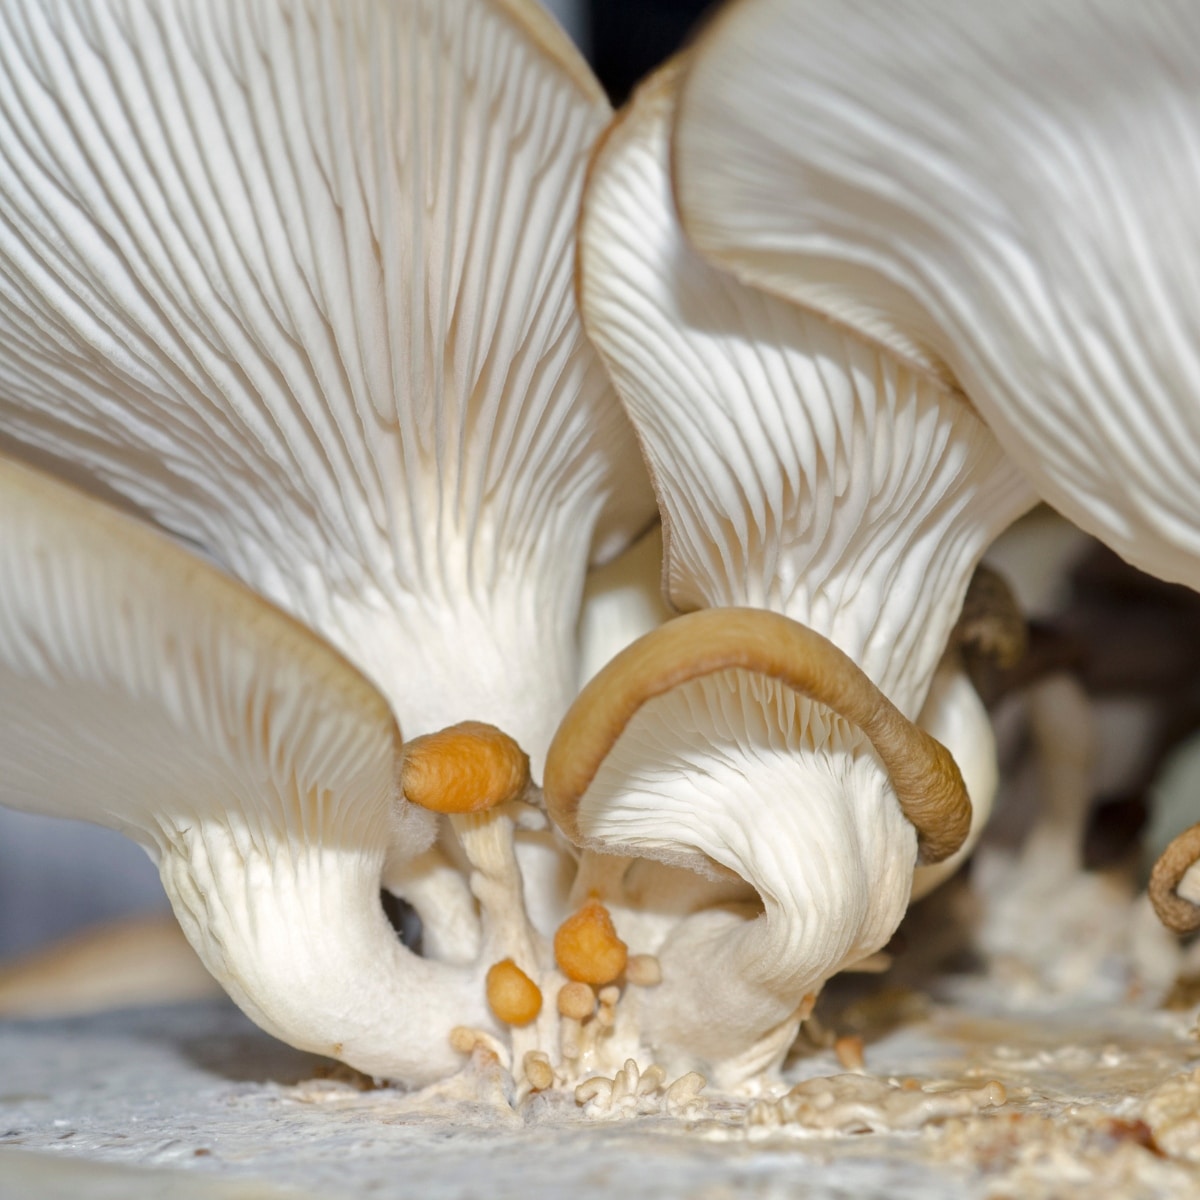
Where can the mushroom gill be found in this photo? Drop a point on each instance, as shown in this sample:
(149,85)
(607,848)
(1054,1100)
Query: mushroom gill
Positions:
(1008,189)
(800,470)
(294,279)
(143,690)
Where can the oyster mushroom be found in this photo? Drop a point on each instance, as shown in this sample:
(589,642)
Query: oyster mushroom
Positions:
(1004,188)
(143,690)
(798,470)
(294,279)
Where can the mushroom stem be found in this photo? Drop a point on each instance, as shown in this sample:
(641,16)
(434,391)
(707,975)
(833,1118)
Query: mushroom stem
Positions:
(435,887)
(477,775)
(299,940)
(735,977)
(487,842)
(1062,725)
(926,780)
(600,876)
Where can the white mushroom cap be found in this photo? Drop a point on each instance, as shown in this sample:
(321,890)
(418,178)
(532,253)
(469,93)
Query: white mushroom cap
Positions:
(1005,187)
(295,280)
(798,468)
(143,690)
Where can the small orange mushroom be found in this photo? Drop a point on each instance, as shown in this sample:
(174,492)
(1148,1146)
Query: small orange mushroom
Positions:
(511,994)
(465,768)
(587,947)
(474,774)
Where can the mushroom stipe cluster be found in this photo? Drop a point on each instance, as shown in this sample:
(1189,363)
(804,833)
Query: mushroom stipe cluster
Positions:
(415,477)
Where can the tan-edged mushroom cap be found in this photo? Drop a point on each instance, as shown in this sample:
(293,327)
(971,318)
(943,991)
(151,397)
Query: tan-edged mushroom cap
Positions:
(294,279)
(143,690)
(928,785)
(1175,884)
(1007,189)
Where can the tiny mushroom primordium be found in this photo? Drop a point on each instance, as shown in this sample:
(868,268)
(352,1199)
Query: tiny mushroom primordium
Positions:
(804,470)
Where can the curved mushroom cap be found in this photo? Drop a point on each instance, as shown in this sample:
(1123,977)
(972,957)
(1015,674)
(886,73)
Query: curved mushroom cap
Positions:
(798,467)
(699,747)
(143,690)
(1007,188)
(927,783)
(295,280)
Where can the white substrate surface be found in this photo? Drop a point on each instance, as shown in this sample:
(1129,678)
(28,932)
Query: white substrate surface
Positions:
(194,1101)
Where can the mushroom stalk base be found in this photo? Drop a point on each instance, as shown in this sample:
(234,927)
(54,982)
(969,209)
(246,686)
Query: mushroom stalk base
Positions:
(297,936)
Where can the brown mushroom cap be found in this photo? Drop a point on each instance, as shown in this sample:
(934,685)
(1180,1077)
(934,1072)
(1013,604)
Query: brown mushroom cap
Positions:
(1176,913)
(465,768)
(925,777)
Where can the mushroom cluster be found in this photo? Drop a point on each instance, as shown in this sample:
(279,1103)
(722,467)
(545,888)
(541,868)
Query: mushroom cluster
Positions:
(337,347)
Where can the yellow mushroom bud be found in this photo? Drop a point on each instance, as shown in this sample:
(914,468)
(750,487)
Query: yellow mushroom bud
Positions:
(512,995)
(465,768)
(587,947)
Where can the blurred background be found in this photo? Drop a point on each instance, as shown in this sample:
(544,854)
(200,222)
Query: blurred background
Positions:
(57,876)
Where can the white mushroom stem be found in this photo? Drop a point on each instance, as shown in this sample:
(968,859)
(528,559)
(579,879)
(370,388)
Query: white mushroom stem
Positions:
(487,842)
(621,600)
(477,775)
(441,896)
(954,714)
(809,820)
(600,876)
(143,690)
(1062,723)
(296,935)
